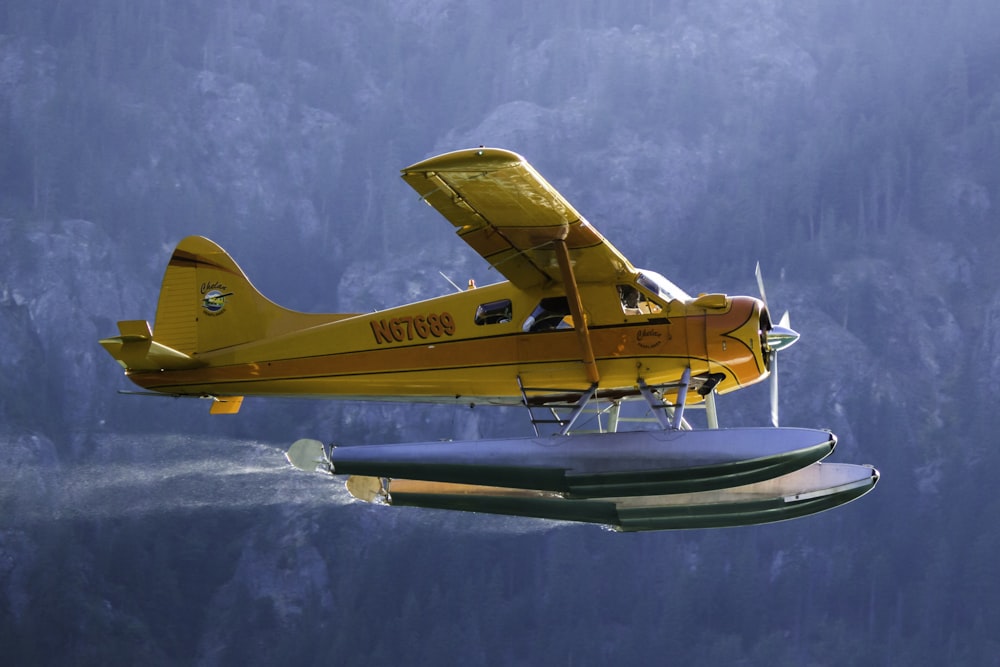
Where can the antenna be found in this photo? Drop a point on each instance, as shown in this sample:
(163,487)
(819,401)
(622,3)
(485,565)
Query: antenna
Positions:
(450,282)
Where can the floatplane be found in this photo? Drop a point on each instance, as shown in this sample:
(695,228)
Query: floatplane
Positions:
(574,329)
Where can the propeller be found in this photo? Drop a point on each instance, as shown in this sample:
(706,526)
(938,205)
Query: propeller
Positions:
(776,338)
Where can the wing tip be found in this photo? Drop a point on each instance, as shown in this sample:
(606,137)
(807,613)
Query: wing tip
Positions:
(468,159)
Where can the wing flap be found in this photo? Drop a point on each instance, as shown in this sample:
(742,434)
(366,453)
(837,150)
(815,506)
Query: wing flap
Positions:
(508,213)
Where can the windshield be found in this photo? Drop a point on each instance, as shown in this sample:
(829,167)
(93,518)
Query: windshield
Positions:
(660,286)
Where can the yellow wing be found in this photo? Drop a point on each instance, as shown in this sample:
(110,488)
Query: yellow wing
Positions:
(510,215)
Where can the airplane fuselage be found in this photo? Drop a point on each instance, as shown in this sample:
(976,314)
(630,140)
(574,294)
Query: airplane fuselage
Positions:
(477,346)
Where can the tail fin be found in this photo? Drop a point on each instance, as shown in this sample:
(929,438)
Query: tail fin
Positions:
(206,303)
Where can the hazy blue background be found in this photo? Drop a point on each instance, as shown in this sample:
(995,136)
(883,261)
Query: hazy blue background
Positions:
(852,147)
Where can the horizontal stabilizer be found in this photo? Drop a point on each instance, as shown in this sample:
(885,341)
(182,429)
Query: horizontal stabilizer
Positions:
(135,330)
(136,350)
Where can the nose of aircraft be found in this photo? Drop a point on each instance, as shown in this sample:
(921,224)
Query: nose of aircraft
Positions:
(781,336)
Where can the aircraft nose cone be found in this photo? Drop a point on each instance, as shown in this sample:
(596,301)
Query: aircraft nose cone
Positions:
(780,337)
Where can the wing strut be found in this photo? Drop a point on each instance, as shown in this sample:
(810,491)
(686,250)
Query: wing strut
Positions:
(576,310)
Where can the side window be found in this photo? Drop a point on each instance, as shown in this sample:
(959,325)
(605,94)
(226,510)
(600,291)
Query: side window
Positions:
(494,312)
(635,302)
(551,313)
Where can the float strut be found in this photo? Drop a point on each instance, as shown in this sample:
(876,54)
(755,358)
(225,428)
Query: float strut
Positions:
(682,390)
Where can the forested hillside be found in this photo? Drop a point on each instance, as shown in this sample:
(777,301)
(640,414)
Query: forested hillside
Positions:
(850,147)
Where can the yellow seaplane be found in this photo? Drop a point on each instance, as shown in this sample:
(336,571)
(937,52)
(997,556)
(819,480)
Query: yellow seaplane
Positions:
(574,330)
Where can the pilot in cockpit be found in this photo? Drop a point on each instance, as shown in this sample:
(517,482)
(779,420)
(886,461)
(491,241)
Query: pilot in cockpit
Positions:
(630,299)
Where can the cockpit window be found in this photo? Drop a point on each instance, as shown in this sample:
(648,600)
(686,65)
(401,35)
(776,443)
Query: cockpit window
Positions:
(551,313)
(494,312)
(636,302)
(660,287)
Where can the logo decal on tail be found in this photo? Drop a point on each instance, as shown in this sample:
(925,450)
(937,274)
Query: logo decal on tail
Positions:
(213,300)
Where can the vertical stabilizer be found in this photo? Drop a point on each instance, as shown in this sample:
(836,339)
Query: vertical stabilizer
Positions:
(207,303)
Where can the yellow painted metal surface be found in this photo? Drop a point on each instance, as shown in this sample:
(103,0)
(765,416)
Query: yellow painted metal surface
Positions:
(228,405)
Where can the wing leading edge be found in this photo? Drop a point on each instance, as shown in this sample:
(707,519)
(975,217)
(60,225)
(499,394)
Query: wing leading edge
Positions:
(511,216)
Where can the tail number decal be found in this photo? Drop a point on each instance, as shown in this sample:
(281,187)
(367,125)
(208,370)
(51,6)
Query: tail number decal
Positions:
(398,329)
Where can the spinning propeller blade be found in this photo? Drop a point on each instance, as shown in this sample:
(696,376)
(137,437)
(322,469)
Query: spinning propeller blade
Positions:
(777,337)
(774,390)
(760,284)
